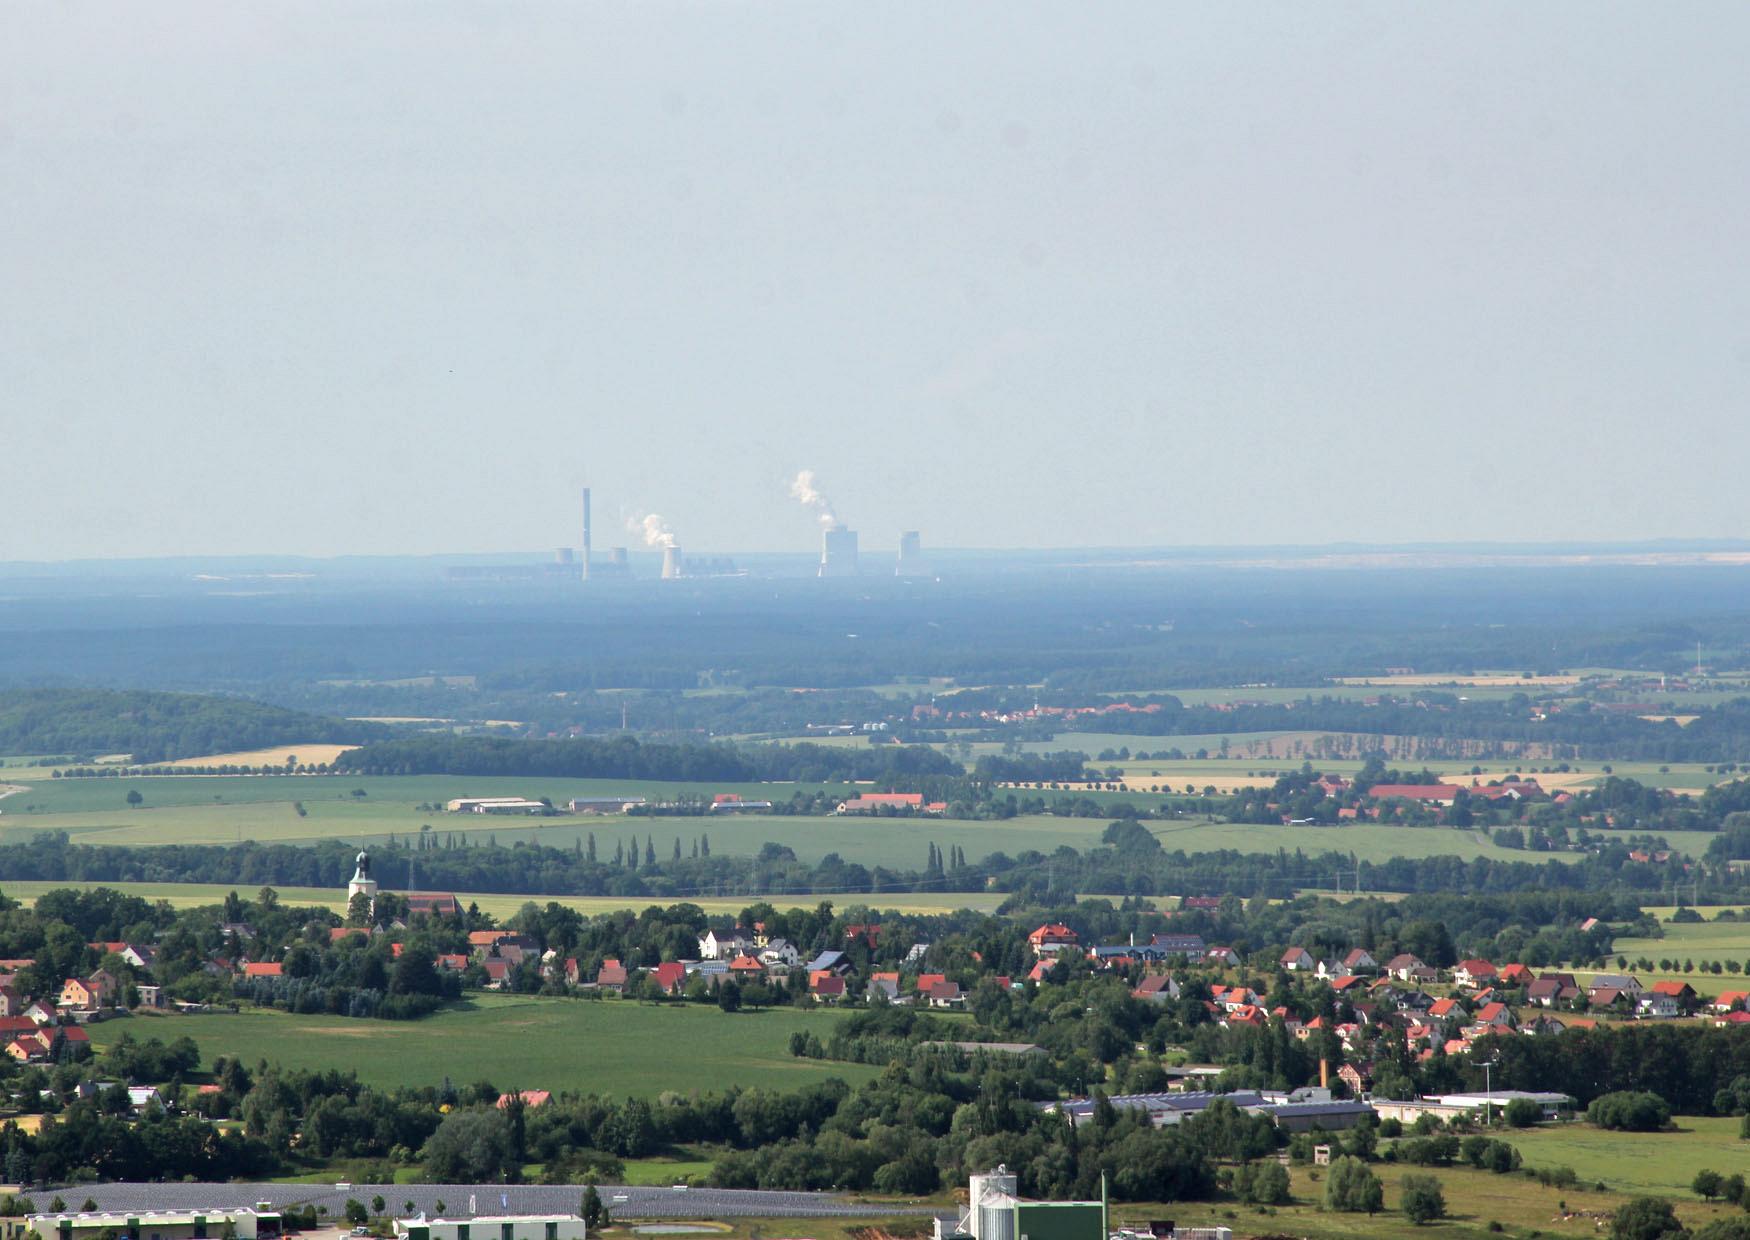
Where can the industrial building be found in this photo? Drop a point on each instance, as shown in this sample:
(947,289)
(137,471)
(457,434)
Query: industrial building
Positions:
(248,1224)
(492,1227)
(1299,1111)
(497,805)
(1447,1107)
(604,805)
(994,1211)
(838,551)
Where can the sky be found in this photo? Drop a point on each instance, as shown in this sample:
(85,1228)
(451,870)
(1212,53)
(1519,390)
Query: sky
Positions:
(336,278)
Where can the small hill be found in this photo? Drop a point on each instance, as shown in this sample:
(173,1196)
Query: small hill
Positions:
(159,727)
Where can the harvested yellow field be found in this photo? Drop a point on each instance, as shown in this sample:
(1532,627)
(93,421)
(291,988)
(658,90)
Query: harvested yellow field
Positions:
(277,755)
(1682,721)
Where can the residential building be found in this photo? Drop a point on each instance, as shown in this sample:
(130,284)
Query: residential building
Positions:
(1053,939)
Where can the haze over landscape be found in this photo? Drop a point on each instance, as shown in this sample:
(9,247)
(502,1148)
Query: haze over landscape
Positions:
(1104,622)
(333,278)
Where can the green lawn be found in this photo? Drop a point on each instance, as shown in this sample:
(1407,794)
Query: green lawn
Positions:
(617,1047)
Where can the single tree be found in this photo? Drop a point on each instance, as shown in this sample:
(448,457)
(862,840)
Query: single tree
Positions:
(1352,1188)
(1423,1201)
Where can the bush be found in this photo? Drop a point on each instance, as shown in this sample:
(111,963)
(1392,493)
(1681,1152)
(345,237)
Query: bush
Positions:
(1645,1218)
(1422,1200)
(1626,1111)
(1262,1183)
(1352,1188)
(1522,1113)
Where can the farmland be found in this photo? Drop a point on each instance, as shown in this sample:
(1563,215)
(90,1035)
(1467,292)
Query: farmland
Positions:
(1702,942)
(231,809)
(614,1047)
(499,906)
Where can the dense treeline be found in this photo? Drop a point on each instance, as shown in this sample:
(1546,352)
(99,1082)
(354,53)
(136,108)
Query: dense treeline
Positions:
(1450,727)
(158,727)
(1698,1069)
(625,757)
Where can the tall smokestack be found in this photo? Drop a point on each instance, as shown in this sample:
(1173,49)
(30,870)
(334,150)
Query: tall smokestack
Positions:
(671,562)
(586,533)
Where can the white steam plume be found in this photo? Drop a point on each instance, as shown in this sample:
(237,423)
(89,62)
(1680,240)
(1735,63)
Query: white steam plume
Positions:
(652,528)
(805,492)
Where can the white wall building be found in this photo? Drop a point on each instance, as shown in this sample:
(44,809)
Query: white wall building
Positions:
(492,1227)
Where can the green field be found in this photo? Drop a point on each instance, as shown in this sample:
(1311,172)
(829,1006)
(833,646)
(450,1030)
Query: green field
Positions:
(230,809)
(613,1046)
(1628,1164)
(1701,942)
(1638,1163)
(502,906)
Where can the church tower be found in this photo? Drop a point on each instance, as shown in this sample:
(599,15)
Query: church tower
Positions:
(362,884)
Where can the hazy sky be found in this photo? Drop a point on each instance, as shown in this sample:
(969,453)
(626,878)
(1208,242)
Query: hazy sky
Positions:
(399,277)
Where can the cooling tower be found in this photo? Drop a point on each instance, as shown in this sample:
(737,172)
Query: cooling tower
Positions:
(671,562)
(838,552)
(564,555)
(911,555)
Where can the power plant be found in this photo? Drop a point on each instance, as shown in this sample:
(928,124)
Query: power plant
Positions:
(838,550)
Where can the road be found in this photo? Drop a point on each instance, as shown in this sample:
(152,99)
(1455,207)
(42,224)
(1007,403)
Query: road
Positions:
(463,1200)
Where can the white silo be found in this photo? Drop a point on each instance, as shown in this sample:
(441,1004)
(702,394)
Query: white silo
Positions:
(990,1205)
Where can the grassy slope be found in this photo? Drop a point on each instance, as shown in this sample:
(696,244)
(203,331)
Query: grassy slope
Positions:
(612,1047)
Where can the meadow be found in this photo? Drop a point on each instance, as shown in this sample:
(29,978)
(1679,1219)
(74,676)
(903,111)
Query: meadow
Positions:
(1703,942)
(1628,1164)
(613,1046)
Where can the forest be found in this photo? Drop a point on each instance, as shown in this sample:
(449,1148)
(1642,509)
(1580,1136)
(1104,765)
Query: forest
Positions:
(80,724)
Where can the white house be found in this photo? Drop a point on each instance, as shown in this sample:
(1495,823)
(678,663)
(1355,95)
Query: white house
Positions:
(1657,1006)
(725,946)
(780,952)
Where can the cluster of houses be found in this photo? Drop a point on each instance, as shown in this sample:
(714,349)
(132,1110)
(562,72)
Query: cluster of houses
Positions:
(38,1028)
(750,955)
(1478,998)
(1389,800)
